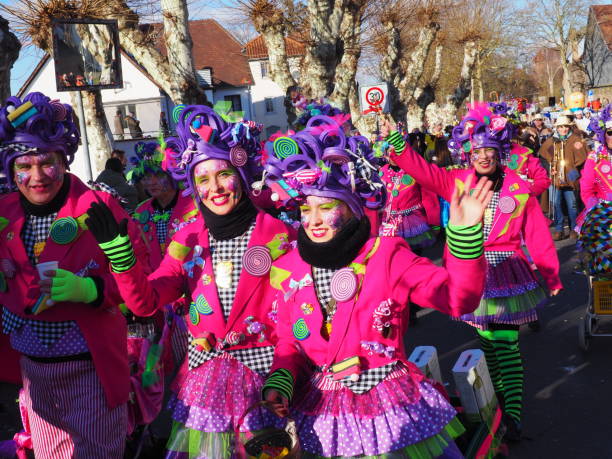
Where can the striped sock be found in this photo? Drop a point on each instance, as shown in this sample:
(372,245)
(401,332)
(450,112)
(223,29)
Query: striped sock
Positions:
(511,372)
(489,351)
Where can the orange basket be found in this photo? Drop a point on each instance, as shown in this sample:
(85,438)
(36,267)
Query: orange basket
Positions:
(602,297)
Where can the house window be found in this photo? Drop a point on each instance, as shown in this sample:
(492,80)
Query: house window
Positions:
(269,104)
(236,102)
(265,68)
(126,110)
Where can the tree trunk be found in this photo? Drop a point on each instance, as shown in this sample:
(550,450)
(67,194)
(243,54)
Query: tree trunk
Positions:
(180,87)
(346,70)
(9,52)
(277,53)
(390,70)
(448,112)
(179,48)
(99,136)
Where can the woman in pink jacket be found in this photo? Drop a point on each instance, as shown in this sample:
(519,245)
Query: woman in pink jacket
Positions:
(342,305)
(221,263)
(512,292)
(596,179)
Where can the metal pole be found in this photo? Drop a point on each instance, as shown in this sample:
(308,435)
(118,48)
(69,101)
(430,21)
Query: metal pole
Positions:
(84,138)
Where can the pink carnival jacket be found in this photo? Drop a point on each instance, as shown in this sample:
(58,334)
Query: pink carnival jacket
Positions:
(183,212)
(596,180)
(187,268)
(390,275)
(526,218)
(528,167)
(104,327)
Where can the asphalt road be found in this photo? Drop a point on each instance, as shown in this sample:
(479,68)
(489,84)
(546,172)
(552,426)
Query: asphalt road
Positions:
(567,403)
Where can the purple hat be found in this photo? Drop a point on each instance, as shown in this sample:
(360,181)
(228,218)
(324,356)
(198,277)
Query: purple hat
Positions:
(481,128)
(322,161)
(203,134)
(36,124)
(148,159)
(601,123)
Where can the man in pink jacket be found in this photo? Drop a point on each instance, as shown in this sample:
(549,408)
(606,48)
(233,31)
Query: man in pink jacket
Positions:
(60,300)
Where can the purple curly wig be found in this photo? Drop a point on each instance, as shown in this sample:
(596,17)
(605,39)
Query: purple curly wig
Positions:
(203,134)
(36,123)
(322,161)
(601,123)
(481,128)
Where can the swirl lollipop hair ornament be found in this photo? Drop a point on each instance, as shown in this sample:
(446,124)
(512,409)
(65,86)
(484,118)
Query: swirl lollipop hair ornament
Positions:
(322,160)
(36,124)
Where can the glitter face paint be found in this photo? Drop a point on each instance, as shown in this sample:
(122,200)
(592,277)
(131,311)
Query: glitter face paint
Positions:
(484,160)
(322,218)
(218,185)
(39,176)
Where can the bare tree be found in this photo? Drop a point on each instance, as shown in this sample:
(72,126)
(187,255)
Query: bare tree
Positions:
(9,52)
(559,24)
(173,71)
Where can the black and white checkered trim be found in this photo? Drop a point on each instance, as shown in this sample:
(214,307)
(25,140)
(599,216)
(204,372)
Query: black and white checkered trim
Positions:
(47,332)
(368,378)
(494,257)
(35,230)
(230,249)
(322,281)
(161,225)
(258,359)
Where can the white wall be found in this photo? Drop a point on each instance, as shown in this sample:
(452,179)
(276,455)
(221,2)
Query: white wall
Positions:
(263,88)
(219,94)
(138,90)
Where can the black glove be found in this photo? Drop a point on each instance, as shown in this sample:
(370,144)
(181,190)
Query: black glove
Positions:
(102,224)
(112,237)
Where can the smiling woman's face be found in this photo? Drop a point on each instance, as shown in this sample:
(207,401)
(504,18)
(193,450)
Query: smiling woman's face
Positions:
(322,218)
(218,185)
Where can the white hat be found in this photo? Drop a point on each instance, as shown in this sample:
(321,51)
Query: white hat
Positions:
(538,116)
(563,120)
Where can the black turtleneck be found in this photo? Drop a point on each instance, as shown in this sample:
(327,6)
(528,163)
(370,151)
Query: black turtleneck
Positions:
(340,250)
(233,224)
(42,210)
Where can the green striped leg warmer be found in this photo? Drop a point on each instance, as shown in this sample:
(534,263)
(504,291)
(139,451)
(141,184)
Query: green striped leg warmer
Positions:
(282,381)
(489,351)
(120,253)
(506,346)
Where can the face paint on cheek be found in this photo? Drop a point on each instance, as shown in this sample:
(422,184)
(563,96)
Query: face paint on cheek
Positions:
(474,157)
(334,218)
(22,177)
(203,191)
(305,221)
(53,172)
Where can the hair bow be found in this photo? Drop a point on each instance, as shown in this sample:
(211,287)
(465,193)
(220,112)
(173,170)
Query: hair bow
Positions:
(196,260)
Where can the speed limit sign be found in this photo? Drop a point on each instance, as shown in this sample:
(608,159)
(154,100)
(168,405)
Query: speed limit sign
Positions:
(373,99)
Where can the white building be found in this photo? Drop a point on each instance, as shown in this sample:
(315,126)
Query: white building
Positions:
(223,71)
(268,100)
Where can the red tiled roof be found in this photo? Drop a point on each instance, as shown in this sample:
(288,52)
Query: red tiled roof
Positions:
(603,17)
(215,47)
(256,48)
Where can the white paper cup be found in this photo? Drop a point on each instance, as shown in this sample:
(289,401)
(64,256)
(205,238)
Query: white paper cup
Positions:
(44,267)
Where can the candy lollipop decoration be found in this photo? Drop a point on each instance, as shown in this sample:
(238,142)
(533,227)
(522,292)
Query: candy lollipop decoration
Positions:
(176,112)
(233,338)
(343,285)
(238,156)
(202,305)
(59,110)
(257,260)
(507,205)
(285,147)
(64,230)
(300,330)
(194,315)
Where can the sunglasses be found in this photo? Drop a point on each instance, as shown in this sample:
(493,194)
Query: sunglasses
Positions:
(609,132)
